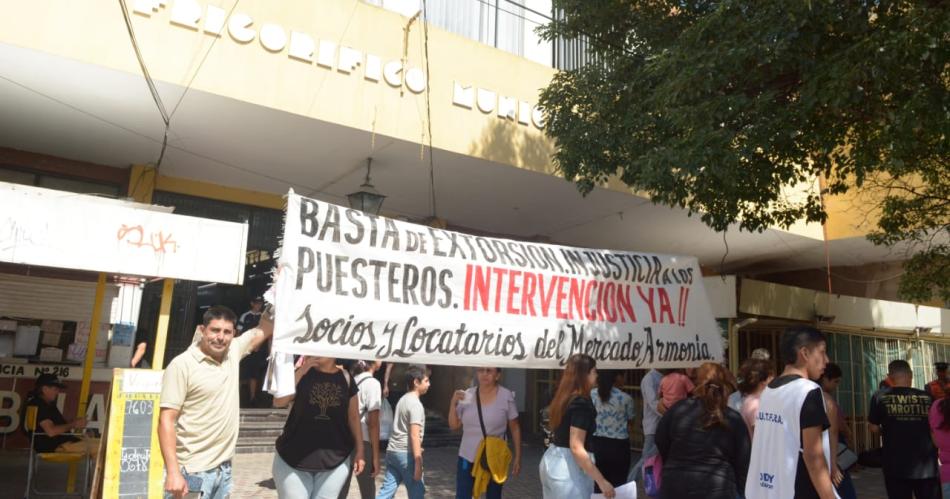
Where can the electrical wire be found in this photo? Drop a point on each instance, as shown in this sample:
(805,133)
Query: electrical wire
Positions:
(187,151)
(339,41)
(203,59)
(506,11)
(425,31)
(80,110)
(529,9)
(148,77)
(722,263)
(868,281)
(166,119)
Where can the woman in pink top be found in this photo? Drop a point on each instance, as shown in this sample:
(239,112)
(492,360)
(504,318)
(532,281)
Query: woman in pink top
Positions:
(674,386)
(755,375)
(940,427)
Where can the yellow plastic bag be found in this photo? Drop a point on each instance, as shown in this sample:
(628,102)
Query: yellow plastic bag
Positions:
(498,458)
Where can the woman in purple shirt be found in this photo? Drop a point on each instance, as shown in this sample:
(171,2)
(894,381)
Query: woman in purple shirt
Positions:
(498,411)
(940,428)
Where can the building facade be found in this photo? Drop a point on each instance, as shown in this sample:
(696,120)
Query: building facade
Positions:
(246,100)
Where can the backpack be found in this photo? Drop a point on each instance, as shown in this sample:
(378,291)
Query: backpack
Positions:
(652,475)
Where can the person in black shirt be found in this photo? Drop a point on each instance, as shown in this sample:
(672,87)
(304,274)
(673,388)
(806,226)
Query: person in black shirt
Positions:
(567,470)
(321,432)
(254,366)
(900,414)
(704,444)
(51,426)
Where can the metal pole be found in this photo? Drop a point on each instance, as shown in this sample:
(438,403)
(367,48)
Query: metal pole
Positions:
(87,365)
(161,334)
(496,23)
(91,345)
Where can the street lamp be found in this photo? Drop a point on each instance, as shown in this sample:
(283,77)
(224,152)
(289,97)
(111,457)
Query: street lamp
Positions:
(367,199)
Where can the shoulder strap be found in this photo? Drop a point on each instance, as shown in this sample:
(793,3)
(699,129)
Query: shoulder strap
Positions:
(481,421)
(358,383)
(346,374)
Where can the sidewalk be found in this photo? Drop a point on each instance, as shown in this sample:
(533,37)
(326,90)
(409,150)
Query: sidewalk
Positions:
(252,475)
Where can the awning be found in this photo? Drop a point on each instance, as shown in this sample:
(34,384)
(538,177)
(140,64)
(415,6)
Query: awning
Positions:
(78,231)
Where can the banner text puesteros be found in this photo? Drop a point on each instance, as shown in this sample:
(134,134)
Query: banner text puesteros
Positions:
(360,286)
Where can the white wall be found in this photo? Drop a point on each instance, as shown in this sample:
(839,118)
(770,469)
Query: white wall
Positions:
(516,380)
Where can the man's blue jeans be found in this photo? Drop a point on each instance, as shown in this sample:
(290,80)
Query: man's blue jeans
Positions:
(215,483)
(399,469)
(465,482)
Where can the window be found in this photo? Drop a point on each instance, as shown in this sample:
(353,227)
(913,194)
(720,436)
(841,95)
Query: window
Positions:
(504,24)
(60,183)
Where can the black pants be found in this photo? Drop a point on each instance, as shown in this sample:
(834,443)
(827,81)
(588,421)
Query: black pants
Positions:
(612,457)
(907,488)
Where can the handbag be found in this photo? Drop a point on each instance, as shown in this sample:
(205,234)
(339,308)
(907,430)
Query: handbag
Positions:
(502,447)
(653,475)
(846,457)
(491,451)
(483,462)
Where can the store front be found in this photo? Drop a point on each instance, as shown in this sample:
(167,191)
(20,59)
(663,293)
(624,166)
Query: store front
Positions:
(466,149)
(864,335)
(72,268)
(192,298)
(721,293)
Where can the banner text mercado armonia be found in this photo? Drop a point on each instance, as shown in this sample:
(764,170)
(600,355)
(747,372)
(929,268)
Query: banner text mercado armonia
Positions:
(360,286)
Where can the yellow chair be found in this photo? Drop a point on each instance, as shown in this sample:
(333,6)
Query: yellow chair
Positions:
(52,458)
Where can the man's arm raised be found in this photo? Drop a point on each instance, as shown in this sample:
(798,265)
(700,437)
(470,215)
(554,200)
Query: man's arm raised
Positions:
(262,333)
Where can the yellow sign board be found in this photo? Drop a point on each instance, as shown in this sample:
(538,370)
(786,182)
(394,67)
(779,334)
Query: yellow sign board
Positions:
(134,465)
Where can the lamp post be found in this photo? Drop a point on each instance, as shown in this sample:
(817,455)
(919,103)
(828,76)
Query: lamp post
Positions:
(366,199)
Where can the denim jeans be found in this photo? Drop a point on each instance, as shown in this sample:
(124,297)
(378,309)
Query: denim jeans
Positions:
(649,449)
(400,467)
(846,489)
(300,484)
(945,488)
(561,476)
(215,483)
(465,482)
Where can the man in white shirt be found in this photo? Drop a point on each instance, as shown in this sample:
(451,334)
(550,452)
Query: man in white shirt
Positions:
(369,397)
(791,457)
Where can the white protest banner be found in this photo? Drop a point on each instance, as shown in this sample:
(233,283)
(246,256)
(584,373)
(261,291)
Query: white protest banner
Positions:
(360,286)
(77,231)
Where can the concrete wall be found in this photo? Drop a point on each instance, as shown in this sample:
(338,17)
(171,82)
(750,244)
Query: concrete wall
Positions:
(876,280)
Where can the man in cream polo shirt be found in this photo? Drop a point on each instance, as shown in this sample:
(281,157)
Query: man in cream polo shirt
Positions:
(199,419)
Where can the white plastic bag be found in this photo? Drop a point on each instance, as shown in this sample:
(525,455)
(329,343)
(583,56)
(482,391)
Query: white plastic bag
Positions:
(385,419)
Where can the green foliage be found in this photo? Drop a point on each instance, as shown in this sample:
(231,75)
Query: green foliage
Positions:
(716,106)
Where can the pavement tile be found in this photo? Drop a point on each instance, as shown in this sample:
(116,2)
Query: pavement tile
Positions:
(252,476)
